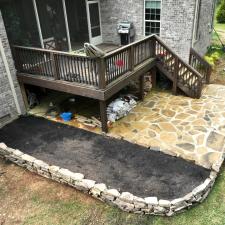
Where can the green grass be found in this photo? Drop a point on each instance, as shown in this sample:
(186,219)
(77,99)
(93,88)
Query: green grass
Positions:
(211,212)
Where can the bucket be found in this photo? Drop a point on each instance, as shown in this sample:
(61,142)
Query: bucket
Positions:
(66,116)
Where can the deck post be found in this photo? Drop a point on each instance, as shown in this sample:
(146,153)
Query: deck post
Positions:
(103,115)
(152,47)
(175,75)
(141,87)
(153,77)
(24,95)
(131,58)
(101,72)
(54,66)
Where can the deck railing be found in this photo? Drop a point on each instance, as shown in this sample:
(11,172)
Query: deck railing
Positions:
(56,65)
(183,75)
(98,72)
(201,65)
(101,72)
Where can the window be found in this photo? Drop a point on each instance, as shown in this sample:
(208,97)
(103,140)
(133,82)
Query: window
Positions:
(197,20)
(152,17)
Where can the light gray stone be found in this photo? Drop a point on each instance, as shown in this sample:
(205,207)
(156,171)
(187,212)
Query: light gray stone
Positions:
(3,146)
(139,202)
(29,159)
(199,190)
(110,194)
(17,153)
(65,174)
(189,197)
(54,169)
(84,185)
(147,210)
(98,189)
(124,205)
(39,164)
(152,201)
(164,203)
(178,202)
(76,177)
(213,175)
(126,197)
(159,210)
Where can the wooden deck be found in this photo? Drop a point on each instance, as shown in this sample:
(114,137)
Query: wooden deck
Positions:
(101,78)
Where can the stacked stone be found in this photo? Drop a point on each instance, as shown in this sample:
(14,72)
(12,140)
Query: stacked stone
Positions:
(125,200)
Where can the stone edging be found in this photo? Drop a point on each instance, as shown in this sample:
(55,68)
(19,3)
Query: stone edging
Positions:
(125,200)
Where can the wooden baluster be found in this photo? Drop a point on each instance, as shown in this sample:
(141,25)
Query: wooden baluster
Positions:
(175,75)
(131,58)
(101,72)
(54,66)
(152,48)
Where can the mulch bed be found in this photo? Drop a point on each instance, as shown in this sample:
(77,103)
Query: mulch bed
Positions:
(117,163)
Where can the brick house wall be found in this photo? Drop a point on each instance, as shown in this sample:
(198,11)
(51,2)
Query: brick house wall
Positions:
(114,11)
(177,25)
(7,103)
(177,22)
(205,26)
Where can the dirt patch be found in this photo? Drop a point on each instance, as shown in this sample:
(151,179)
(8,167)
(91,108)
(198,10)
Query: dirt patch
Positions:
(117,163)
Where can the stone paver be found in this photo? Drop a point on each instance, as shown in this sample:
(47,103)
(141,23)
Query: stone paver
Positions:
(193,129)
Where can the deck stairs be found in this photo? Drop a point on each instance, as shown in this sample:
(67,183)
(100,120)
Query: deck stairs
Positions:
(188,77)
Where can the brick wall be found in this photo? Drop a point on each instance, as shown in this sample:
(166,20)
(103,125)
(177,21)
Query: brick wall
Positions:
(7,104)
(177,24)
(114,11)
(177,19)
(205,27)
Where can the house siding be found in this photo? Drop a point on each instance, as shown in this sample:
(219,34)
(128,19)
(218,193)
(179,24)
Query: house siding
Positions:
(7,104)
(115,11)
(177,18)
(177,24)
(205,26)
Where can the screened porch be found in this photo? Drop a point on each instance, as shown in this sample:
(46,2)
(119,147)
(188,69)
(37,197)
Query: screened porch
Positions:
(63,25)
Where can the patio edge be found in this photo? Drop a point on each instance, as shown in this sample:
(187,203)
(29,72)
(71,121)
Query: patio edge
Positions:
(125,200)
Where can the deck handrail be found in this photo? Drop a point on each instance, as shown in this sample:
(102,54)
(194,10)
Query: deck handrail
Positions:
(181,73)
(129,45)
(51,51)
(200,64)
(102,71)
(176,55)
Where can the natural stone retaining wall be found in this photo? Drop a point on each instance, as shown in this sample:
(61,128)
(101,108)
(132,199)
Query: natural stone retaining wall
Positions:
(125,200)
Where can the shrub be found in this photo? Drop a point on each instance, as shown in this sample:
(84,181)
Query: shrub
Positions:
(221,13)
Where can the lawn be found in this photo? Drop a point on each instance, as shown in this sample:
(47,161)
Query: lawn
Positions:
(26,198)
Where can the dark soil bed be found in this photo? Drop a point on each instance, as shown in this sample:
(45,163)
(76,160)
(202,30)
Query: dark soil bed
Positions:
(117,163)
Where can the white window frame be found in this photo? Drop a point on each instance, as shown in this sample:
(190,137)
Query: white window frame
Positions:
(158,21)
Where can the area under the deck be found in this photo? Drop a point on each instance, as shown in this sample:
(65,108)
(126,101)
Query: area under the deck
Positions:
(117,163)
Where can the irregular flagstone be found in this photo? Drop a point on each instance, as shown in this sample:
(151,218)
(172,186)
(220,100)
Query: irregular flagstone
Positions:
(180,125)
(216,141)
(187,146)
(168,113)
(167,127)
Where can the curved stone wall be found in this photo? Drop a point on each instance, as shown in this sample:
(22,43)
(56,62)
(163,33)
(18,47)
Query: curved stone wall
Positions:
(125,200)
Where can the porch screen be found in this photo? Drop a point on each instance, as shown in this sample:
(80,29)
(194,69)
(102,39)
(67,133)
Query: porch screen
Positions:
(152,17)
(20,22)
(52,23)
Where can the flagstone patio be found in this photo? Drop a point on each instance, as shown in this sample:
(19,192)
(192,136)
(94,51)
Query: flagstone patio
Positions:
(193,129)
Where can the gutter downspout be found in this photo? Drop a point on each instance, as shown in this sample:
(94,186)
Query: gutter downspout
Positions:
(9,77)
